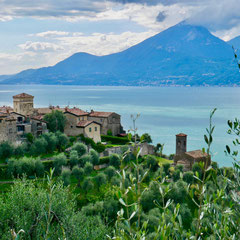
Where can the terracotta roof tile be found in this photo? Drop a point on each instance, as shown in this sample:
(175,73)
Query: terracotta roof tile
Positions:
(196,154)
(76,111)
(100,114)
(6,109)
(23,95)
(84,123)
(48,110)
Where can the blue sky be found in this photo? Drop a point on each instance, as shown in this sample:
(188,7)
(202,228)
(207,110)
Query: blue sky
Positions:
(40,33)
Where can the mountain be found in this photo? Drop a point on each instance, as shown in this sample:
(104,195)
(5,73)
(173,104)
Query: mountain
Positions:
(235,42)
(181,55)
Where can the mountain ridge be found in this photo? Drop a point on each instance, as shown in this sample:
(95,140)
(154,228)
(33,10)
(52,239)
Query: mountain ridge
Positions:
(181,55)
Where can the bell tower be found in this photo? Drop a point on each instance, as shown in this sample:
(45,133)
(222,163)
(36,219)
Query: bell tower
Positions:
(181,143)
(23,104)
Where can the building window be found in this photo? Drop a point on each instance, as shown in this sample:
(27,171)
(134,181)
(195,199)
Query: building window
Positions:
(95,129)
(90,129)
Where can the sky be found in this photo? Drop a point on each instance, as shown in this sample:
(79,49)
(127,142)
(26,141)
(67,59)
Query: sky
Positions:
(41,33)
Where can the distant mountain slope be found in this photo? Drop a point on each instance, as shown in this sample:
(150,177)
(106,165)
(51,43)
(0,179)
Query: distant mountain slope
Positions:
(181,55)
(235,42)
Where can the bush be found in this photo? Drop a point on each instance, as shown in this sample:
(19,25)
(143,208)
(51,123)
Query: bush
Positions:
(80,148)
(104,160)
(176,175)
(115,140)
(179,167)
(88,168)
(178,192)
(25,166)
(87,184)
(146,138)
(78,173)
(51,140)
(94,157)
(114,160)
(166,167)
(59,161)
(109,132)
(74,160)
(188,177)
(62,141)
(110,172)
(84,159)
(115,181)
(6,150)
(100,179)
(38,147)
(196,168)
(66,173)
(152,162)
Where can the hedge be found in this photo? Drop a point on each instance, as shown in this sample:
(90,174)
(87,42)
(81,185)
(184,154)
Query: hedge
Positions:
(3,172)
(104,160)
(115,140)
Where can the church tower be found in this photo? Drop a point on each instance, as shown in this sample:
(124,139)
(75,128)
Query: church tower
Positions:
(23,104)
(181,143)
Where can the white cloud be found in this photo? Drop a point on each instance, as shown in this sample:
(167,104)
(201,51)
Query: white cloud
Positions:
(51,34)
(40,46)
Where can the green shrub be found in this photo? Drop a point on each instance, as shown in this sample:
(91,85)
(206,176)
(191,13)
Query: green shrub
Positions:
(65,175)
(88,168)
(87,184)
(179,167)
(115,140)
(59,161)
(6,150)
(114,160)
(166,167)
(84,159)
(115,181)
(25,166)
(104,160)
(100,179)
(94,157)
(38,147)
(176,175)
(109,132)
(110,172)
(152,162)
(80,148)
(78,173)
(74,159)
(51,140)
(188,177)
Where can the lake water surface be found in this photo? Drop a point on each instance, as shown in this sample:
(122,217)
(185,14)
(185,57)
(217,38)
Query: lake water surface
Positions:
(165,111)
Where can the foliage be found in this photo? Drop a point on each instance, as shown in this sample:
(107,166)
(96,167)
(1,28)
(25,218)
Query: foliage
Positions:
(114,160)
(87,184)
(74,159)
(78,173)
(80,148)
(115,140)
(58,162)
(100,179)
(6,150)
(109,132)
(110,172)
(66,174)
(146,138)
(25,166)
(188,177)
(56,121)
(152,162)
(94,157)
(166,167)
(99,147)
(88,168)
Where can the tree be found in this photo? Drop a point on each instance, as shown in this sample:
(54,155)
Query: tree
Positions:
(88,168)
(110,172)
(100,179)
(38,147)
(62,140)
(74,160)
(59,161)
(51,140)
(94,157)
(80,148)
(87,184)
(146,138)
(114,160)
(56,121)
(176,175)
(78,173)
(152,162)
(66,173)
(84,159)
(188,177)
(166,167)
(109,132)
(6,150)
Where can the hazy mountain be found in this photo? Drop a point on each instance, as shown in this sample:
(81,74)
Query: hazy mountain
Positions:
(235,42)
(181,55)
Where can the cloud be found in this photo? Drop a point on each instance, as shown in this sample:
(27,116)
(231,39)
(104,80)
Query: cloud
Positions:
(51,34)
(40,46)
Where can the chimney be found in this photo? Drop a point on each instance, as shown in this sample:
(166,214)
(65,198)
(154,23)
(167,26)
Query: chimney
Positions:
(181,143)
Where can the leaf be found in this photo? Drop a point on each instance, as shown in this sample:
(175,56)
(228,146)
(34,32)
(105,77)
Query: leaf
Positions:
(206,139)
(228,149)
(132,215)
(122,202)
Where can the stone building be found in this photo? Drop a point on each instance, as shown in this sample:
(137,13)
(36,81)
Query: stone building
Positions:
(8,128)
(108,120)
(23,104)
(78,123)
(187,159)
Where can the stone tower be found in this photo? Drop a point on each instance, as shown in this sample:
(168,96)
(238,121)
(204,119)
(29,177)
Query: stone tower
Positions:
(181,143)
(23,104)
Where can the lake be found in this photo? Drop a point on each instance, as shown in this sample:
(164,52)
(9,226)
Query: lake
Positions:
(165,111)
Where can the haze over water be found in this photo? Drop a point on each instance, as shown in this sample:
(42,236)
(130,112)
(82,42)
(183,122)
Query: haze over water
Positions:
(165,111)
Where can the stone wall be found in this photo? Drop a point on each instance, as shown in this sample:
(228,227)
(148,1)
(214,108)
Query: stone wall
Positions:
(8,130)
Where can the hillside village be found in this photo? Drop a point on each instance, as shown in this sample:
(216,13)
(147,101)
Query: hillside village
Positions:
(23,118)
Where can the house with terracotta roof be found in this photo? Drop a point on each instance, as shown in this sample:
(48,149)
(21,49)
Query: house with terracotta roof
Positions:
(108,120)
(78,123)
(187,159)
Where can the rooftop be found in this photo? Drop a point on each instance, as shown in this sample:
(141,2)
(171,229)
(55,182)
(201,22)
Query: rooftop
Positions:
(23,95)
(181,135)
(84,123)
(196,154)
(6,109)
(100,114)
(76,111)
